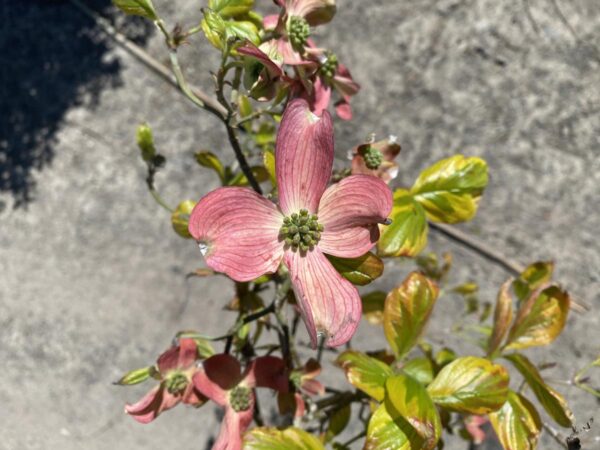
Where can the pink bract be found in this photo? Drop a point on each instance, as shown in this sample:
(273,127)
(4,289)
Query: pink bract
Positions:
(177,361)
(221,380)
(239,231)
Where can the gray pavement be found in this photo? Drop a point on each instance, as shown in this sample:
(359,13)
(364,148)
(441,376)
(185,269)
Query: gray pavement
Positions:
(92,277)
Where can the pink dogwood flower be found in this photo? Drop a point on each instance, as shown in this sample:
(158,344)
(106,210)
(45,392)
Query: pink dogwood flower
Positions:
(377,159)
(222,381)
(176,368)
(245,235)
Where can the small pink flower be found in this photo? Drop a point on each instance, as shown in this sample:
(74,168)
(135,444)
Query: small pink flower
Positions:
(245,235)
(306,384)
(377,159)
(222,381)
(473,425)
(176,367)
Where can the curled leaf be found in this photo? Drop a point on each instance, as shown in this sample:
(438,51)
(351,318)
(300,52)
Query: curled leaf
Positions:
(554,403)
(407,309)
(136,376)
(534,276)
(540,319)
(517,424)
(143,8)
(288,439)
(503,314)
(359,271)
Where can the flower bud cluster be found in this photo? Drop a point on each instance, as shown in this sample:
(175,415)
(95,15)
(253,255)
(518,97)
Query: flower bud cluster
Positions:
(373,157)
(298,31)
(239,398)
(301,230)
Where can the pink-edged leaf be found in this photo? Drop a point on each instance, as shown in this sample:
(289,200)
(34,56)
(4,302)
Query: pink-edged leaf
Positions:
(268,372)
(329,304)
(251,50)
(270,22)
(350,211)
(220,373)
(151,405)
(232,427)
(238,231)
(303,157)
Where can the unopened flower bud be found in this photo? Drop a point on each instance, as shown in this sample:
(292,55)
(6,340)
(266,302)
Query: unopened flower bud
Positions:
(298,31)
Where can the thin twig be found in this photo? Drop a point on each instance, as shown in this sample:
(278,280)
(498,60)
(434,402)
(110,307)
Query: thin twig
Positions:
(141,55)
(492,255)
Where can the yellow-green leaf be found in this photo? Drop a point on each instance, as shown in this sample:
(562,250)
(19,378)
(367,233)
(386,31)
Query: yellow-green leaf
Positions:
(554,403)
(145,142)
(211,161)
(269,162)
(365,373)
(407,234)
(242,30)
(231,8)
(533,277)
(143,8)
(540,319)
(517,424)
(421,369)
(384,433)
(181,217)
(413,411)
(337,423)
(259,172)
(471,385)
(503,314)
(136,376)
(449,190)
(289,439)
(204,348)
(372,306)
(213,26)
(360,271)
(407,309)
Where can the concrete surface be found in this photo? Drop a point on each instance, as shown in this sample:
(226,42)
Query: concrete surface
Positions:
(92,277)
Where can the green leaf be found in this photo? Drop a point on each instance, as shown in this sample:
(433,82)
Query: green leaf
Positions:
(365,373)
(145,142)
(242,30)
(143,8)
(534,276)
(421,369)
(289,439)
(554,403)
(213,26)
(181,217)
(372,306)
(471,385)
(269,162)
(407,234)
(413,411)
(136,376)
(450,189)
(360,271)
(444,357)
(407,309)
(540,319)
(204,347)
(338,422)
(211,161)
(503,314)
(259,172)
(517,424)
(383,433)
(231,8)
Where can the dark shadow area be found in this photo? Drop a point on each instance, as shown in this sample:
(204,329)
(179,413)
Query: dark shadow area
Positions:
(52,57)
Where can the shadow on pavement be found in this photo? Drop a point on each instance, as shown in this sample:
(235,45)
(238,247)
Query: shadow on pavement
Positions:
(52,58)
